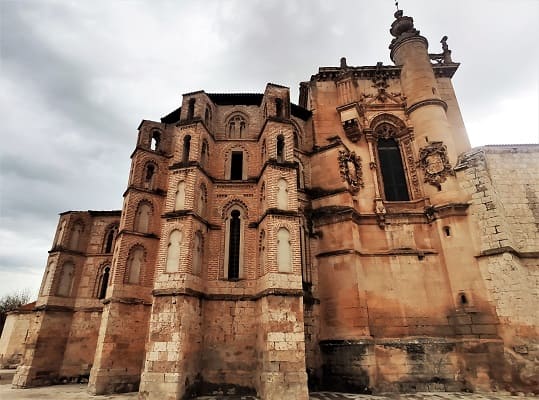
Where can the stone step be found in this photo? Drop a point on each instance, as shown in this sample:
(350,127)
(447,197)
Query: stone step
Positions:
(6,376)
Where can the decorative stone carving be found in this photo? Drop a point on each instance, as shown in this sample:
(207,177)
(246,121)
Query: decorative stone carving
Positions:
(445,56)
(350,167)
(380,84)
(435,163)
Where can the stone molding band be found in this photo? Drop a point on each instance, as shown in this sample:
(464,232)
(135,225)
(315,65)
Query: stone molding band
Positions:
(225,296)
(428,102)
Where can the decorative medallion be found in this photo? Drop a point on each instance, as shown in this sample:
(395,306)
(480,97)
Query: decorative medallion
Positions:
(435,163)
(350,167)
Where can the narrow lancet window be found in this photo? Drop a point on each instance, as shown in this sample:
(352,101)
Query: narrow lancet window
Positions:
(186,149)
(280,148)
(234,245)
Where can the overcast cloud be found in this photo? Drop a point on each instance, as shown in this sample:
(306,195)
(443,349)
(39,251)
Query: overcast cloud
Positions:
(76,78)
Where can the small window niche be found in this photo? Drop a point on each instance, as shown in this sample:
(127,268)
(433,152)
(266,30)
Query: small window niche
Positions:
(464,300)
(447,231)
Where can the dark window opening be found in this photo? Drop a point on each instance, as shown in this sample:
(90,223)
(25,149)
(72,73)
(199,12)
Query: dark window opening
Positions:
(207,116)
(204,153)
(109,241)
(191,109)
(234,246)
(447,231)
(104,283)
(280,148)
(236,166)
(296,140)
(462,298)
(279,108)
(186,148)
(150,170)
(156,138)
(392,170)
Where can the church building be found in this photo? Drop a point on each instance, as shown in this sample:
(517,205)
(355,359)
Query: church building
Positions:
(353,242)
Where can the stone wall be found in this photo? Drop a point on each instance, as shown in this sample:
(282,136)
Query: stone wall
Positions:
(13,338)
(504,184)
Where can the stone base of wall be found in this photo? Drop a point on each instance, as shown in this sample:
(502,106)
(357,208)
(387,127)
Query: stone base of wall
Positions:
(411,364)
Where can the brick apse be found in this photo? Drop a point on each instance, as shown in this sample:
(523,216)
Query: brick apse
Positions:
(354,242)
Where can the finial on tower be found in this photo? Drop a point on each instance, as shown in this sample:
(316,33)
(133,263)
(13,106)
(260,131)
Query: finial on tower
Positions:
(402,27)
(397,4)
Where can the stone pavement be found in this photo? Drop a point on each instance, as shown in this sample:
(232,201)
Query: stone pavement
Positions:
(78,392)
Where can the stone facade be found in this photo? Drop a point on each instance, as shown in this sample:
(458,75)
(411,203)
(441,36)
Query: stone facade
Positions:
(353,242)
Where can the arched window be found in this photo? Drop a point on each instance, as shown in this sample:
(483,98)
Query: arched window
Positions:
(262,254)
(60,233)
(263,151)
(300,175)
(110,235)
(179,200)
(236,127)
(174,251)
(207,116)
(279,108)
(186,149)
(284,251)
(296,139)
(149,176)
(103,282)
(202,200)
(135,263)
(392,170)
(204,154)
(234,244)
(143,217)
(280,149)
(263,197)
(76,233)
(155,141)
(304,248)
(198,250)
(66,279)
(282,194)
(191,109)
(47,280)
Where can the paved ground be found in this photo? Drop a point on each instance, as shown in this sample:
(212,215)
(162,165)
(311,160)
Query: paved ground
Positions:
(78,392)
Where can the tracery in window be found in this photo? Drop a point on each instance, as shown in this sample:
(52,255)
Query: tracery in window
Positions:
(236,127)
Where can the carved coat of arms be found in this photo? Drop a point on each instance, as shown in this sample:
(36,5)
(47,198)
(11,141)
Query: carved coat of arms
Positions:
(435,163)
(350,168)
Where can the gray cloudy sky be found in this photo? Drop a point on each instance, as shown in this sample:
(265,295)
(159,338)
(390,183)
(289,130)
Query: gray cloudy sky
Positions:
(76,78)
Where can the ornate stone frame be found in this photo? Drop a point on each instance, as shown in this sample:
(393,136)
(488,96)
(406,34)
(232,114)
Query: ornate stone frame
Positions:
(435,164)
(404,137)
(355,177)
